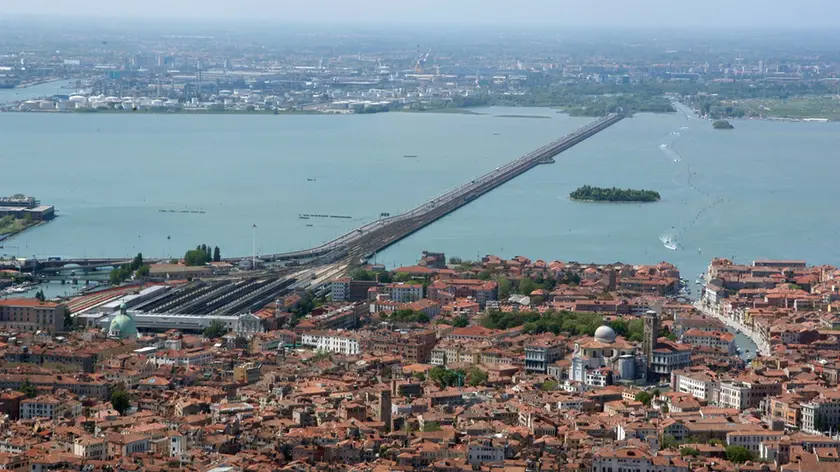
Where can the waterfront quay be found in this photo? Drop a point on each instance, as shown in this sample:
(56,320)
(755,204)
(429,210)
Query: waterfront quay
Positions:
(19,212)
(714,311)
(774,302)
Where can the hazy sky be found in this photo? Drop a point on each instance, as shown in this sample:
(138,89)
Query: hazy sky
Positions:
(710,13)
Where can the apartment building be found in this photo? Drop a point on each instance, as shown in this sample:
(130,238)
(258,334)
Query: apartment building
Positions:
(746,394)
(699,384)
(401,292)
(822,413)
(348,290)
(30,314)
(712,339)
(542,352)
(634,459)
(49,406)
(341,342)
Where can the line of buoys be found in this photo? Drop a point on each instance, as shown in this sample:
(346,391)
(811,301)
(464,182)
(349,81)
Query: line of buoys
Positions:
(671,149)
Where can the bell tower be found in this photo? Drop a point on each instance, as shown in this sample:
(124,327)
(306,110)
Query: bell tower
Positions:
(651,334)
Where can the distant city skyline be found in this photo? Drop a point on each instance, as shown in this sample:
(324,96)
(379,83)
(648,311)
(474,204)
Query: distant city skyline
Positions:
(694,13)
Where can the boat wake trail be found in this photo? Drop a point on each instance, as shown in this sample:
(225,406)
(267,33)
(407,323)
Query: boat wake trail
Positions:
(669,238)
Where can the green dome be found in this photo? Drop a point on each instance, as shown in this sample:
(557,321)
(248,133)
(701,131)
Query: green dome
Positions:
(123,325)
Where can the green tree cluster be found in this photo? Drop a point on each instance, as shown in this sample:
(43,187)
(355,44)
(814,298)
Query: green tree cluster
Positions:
(527,284)
(216,330)
(431,426)
(121,401)
(644,397)
(550,321)
(199,256)
(461,321)
(738,454)
(576,324)
(407,316)
(443,377)
(689,451)
(601,194)
(28,389)
(502,320)
(476,377)
(378,275)
(504,287)
(308,302)
(124,272)
(68,319)
(321,355)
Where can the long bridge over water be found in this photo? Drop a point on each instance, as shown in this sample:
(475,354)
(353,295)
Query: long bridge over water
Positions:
(361,243)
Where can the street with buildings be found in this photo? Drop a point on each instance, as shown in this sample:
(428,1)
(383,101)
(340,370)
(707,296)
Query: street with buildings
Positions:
(444,365)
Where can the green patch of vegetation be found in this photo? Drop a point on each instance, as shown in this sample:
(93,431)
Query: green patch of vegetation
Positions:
(644,397)
(599,194)
(10,224)
(501,320)
(476,377)
(199,256)
(407,316)
(28,389)
(565,322)
(591,99)
(722,124)
(461,321)
(430,427)
(120,401)
(124,272)
(738,454)
(308,302)
(773,105)
(322,355)
(689,452)
(556,322)
(216,330)
(443,377)
(380,276)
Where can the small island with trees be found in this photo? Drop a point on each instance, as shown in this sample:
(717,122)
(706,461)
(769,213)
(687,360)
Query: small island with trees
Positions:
(722,124)
(599,194)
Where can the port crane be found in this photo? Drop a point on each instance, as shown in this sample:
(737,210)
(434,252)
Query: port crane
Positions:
(421,61)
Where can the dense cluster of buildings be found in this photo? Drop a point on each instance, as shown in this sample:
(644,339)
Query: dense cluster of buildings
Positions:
(640,381)
(790,311)
(22,207)
(331,75)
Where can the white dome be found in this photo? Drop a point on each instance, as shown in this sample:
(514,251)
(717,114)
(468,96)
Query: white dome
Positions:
(605,334)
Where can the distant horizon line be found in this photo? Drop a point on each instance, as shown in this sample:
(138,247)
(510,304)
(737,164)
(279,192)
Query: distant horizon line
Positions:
(141,19)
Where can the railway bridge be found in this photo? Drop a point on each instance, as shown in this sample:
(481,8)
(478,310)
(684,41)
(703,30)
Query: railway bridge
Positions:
(364,241)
